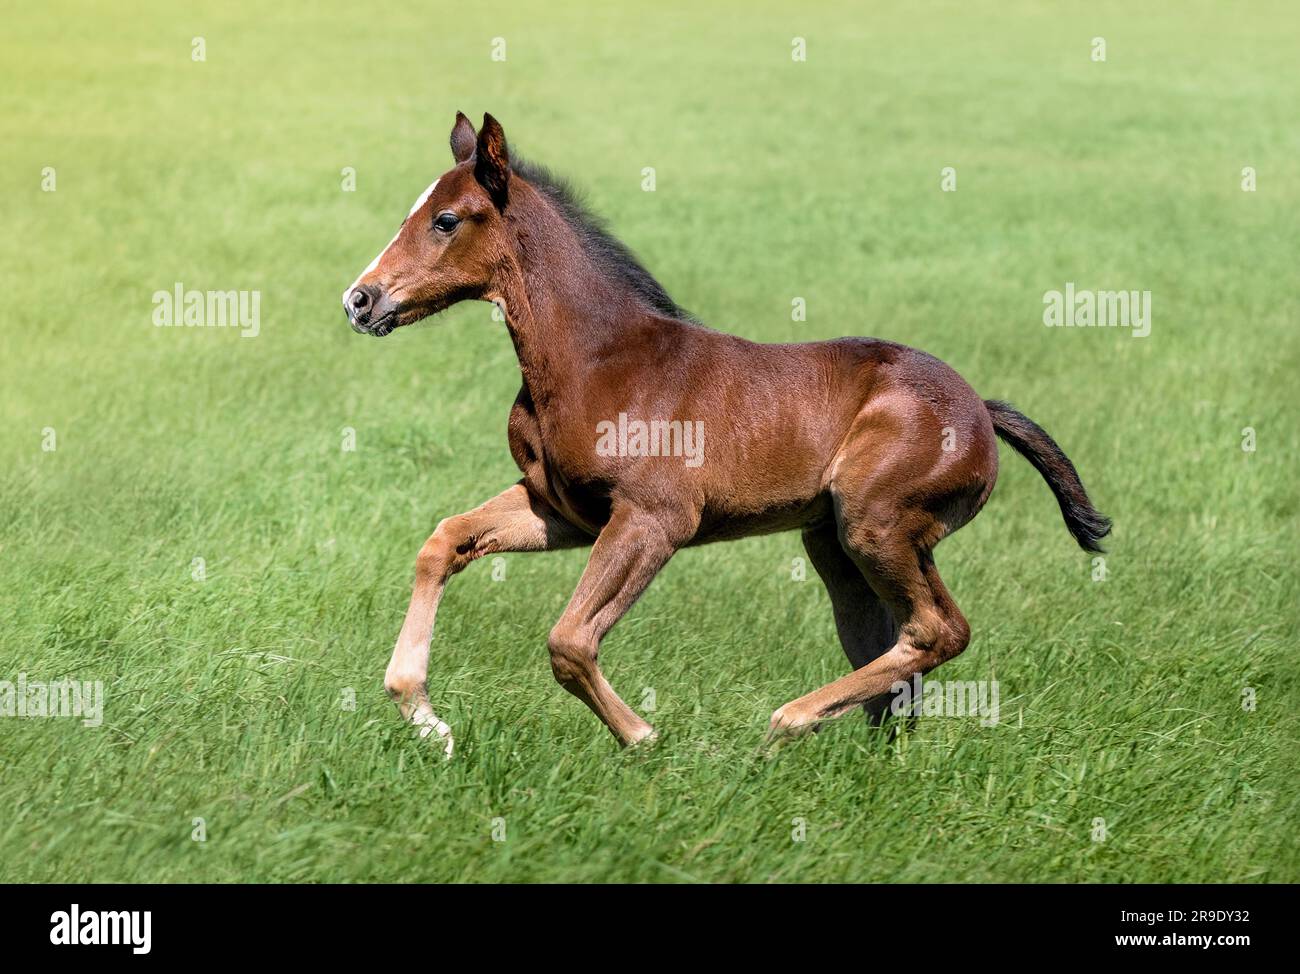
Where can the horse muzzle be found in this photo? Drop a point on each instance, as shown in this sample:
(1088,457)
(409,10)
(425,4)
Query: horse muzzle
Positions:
(369,309)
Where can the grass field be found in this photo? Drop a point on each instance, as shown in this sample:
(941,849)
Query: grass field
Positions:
(1121,700)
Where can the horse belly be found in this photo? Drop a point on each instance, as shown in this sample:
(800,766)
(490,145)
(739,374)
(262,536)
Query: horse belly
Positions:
(726,523)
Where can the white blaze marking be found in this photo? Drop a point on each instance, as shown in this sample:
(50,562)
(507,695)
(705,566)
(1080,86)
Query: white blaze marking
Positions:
(423,197)
(375,263)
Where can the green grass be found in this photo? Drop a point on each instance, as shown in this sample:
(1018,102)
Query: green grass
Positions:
(1121,699)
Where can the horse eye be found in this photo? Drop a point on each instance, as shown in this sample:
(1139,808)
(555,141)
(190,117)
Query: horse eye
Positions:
(446,222)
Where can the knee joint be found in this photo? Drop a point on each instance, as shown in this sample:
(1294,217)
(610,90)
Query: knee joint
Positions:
(573,653)
(438,558)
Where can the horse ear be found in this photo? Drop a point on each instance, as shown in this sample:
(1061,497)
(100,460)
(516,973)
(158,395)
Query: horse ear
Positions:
(492,161)
(463,138)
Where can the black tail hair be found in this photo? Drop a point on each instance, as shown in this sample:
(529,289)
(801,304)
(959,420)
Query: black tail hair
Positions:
(1086,523)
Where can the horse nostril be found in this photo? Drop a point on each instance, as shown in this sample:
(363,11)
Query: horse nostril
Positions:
(360,300)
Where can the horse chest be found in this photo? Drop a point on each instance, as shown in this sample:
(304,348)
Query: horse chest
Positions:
(546,473)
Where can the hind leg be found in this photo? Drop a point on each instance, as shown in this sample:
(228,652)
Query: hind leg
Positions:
(865,626)
(918,463)
(932,631)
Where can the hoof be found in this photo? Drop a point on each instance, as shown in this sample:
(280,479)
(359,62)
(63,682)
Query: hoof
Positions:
(431,726)
(784,725)
(644,739)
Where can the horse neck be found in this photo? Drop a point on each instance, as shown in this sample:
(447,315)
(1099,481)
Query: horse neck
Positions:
(561,309)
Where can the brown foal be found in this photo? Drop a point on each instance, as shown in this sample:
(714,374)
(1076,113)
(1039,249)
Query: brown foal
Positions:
(875,451)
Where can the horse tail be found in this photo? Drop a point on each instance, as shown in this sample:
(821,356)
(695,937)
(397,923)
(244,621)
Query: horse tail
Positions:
(1085,522)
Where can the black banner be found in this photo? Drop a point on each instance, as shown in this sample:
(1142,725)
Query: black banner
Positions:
(303,923)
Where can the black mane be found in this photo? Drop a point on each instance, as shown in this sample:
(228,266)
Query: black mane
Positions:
(610,254)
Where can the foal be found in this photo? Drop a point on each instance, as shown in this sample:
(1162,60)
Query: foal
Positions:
(874,451)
